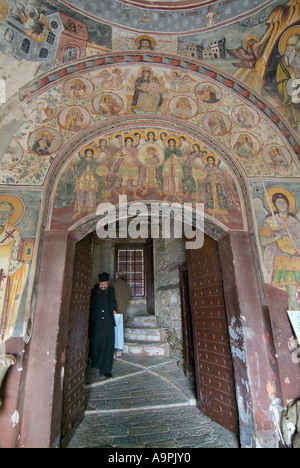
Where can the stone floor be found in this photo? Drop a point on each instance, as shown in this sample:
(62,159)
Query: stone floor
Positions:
(147,404)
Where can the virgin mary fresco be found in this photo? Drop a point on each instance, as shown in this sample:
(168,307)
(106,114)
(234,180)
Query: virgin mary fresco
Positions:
(148,95)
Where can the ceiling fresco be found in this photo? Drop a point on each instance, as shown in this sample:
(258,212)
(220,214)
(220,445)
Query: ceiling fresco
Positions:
(57,115)
(254,49)
(169,4)
(207,15)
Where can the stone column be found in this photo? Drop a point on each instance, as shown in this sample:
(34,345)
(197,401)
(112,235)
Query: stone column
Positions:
(258,387)
(47,349)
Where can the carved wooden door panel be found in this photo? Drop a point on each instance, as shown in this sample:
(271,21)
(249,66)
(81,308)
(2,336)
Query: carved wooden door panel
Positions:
(213,361)
(76,355)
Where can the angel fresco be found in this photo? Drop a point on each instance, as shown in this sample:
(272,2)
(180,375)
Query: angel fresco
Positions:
(171,172)
(180,83)
(249,56)
(127,168)
(214,188)
(280,240)
(210,17)
(113,81)
(81,185)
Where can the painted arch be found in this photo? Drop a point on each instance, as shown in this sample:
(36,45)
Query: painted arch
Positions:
(226,142)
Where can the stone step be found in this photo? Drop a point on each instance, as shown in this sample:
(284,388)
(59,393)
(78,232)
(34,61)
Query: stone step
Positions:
(141,321)
(140,348)
(152,335)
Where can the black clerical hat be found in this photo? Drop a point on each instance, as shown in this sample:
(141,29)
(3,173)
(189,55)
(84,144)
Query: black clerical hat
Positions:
(103,277)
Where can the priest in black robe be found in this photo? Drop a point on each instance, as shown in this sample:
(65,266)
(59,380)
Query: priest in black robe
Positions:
(103,308)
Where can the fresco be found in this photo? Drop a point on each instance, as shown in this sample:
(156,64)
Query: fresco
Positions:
(262,51)
(278,220)
(18,225)
(256,42)
(150,163)
(160,20)
(57,115)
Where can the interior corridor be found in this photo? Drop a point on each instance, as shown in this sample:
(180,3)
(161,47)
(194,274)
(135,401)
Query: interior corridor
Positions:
(148,403)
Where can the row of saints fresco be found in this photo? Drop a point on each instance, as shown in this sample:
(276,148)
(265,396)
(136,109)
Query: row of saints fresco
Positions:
(147,164)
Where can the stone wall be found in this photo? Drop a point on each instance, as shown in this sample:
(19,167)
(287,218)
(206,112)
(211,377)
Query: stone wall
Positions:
(168,255)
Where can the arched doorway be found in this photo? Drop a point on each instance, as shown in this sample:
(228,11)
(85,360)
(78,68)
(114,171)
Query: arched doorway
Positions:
(214,373)
(67,222)
(54,323)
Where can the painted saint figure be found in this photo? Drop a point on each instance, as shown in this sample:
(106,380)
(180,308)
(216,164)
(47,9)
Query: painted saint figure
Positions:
(214,189)
(172,172)
(127,167)
(280,239)
(288,73)
(148,95)
(13,269)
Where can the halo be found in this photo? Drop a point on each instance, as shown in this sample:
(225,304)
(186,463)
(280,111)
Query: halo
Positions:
(129,135)
(102,138)
(291,198)
(107,96)
(243,135)
(18,207)
(184,136)
(92,148)
(152,130)
(42,132)
(173,137)
(147,38)
(211,155)
(77,80)
(284,39)
(142,69)
(139,132)
(249,38)
(193,143)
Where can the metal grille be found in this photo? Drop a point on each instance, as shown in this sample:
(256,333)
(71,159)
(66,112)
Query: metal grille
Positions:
(132,263)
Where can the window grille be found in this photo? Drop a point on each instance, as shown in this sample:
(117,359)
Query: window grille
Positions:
(132,263)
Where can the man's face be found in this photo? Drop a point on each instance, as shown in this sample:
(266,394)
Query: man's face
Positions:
(103,286)
(291,44)
(282,205)
(5,212)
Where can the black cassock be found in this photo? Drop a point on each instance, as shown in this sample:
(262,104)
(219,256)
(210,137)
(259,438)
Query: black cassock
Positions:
(102,329)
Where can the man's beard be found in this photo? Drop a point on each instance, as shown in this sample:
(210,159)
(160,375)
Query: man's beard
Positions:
(290,58)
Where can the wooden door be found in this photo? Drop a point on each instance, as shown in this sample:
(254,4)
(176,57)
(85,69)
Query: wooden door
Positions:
(76,355)
(213,360)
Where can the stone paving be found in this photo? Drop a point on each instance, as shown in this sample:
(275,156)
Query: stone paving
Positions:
(148,403)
